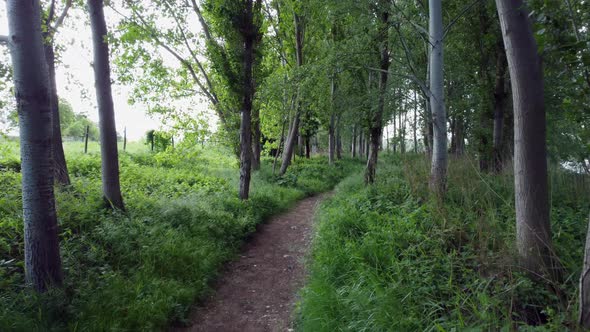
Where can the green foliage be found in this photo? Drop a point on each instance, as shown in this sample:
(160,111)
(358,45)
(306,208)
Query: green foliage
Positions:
(74,125)
(388,258)
(143,269)
(158,140)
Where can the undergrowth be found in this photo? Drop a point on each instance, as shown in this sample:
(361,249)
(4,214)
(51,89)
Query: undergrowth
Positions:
(389,258)
(142,269)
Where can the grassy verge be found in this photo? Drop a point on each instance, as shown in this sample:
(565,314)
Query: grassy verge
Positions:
(143,269)
(388,258)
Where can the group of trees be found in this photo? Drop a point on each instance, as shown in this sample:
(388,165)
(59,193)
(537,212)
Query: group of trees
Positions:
(30,41)
(300,75)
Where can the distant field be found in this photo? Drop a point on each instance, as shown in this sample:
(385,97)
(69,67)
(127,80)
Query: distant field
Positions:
(12,147)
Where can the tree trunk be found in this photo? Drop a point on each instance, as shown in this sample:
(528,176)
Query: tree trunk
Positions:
(439,117)
(256,136)
(459,136)
(415,126)
(290,144)
(288,153)
(60,168)
(280,148)
(530,153)
(376,130)
(86,139)
(500,97)
(367,144)
(108,133)
(584,317)
(33,98)
(394,134)
(249,34)
(338,140)
(353,152)
(307,147)
(331,139)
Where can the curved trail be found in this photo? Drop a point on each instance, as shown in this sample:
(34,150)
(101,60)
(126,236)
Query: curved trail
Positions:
(257,292)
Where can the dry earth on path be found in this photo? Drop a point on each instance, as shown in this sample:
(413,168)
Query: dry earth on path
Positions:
(257,291)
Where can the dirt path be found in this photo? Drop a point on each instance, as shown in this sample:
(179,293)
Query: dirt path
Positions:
(257,291)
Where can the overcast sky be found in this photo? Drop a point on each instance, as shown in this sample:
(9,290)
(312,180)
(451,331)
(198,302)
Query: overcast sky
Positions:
(75,78)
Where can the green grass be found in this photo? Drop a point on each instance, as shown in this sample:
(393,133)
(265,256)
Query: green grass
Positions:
(389,258)
(141,270)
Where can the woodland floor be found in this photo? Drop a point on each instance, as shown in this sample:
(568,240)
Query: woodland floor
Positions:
(257,291)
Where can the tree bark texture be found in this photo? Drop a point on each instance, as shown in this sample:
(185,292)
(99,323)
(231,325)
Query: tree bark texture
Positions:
(33,99)
(530,153)
(438,173)
(108,133)
(248,34)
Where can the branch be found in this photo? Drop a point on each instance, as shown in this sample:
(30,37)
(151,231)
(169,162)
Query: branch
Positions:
(413,78)
(62,16)
(182,60)
(204,24)
(193,55)
(51,13)
(276,31)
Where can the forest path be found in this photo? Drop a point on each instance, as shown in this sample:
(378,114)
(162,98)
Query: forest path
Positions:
(257,291)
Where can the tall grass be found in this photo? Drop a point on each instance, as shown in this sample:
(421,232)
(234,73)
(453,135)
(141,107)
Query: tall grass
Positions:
(390,258)
(142,269)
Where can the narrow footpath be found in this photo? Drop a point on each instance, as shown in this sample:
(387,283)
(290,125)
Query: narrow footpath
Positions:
(257,291)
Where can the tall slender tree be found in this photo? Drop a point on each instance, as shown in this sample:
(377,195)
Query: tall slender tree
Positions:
(111,187)
(376,129)
(533,229)
(438,171)
(250,35)
(293,133)
(32,91)
(51,25)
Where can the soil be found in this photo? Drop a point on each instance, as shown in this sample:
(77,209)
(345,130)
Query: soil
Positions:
(257,291)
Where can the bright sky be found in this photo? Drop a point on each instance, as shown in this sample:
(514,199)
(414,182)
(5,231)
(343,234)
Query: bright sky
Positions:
(75,77)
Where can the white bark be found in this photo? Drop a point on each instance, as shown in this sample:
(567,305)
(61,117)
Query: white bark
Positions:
(438,171)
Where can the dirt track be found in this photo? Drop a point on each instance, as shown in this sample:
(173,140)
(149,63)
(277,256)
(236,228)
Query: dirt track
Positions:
(257,292)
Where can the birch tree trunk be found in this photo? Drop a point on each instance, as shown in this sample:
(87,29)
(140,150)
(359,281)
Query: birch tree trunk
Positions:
(530,153)
(108,133)
(33,98)
(438,171)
